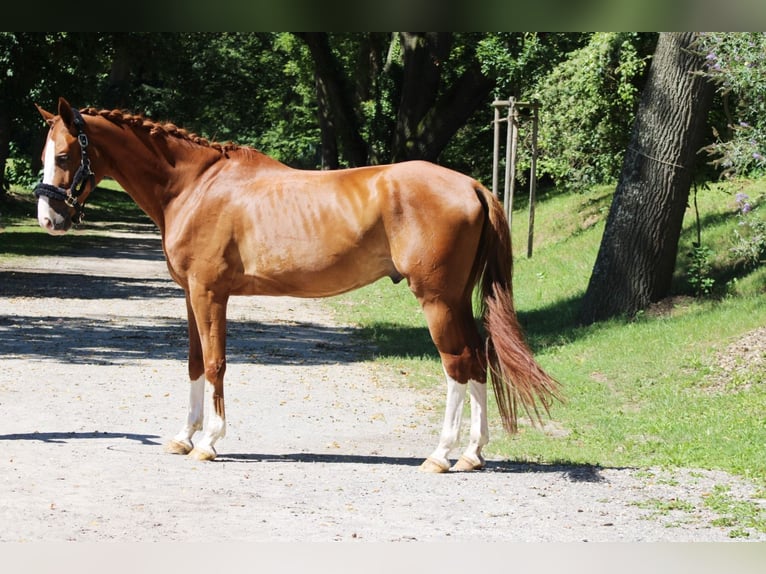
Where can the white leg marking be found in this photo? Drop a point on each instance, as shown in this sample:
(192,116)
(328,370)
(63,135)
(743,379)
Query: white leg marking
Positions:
(194,418)
(215,425)
(479,425)
(453,415)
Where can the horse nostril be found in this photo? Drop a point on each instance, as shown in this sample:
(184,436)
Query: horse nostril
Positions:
(47,223)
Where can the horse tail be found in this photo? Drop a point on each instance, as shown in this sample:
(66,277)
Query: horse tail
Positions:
(517,380)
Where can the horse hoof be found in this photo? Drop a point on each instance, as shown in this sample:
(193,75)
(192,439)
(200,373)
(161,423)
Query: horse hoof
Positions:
(466,464)
(434,466)
(178,447)
(198,454)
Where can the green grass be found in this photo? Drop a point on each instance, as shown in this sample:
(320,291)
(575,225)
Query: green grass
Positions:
(739,515)
(638,393)
(20,234)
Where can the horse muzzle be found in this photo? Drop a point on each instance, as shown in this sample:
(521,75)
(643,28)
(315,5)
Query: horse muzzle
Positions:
(57,208)
(53,218)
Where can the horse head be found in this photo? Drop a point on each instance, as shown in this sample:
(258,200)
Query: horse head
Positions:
(68,178)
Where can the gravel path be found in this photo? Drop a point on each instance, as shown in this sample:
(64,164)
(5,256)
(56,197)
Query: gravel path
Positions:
(320,446)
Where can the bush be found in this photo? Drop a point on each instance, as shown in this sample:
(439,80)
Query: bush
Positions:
(750,234)
(588,104)
(736,63)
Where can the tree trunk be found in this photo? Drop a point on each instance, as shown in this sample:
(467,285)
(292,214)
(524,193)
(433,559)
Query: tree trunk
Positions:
(118,86)
(428,115)
(337,120)
(5,140)
(423,53)
(638,250)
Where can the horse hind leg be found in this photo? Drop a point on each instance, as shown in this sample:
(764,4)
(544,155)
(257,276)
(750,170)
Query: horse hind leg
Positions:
(457,339)
(472,459)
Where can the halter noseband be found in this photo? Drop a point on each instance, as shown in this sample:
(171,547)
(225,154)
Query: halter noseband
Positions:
(82,176)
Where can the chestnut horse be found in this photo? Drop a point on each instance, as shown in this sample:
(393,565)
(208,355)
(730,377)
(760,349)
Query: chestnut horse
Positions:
(234,221)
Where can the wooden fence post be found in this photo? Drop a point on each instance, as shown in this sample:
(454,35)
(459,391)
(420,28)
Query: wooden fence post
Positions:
(532,182)
(511,147)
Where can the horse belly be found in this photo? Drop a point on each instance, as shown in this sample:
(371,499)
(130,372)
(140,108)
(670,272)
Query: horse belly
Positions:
(306,269)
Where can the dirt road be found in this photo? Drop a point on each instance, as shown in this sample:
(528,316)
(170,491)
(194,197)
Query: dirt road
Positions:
(320,446)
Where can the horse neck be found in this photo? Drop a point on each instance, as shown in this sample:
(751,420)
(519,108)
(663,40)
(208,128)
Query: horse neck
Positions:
(151,169)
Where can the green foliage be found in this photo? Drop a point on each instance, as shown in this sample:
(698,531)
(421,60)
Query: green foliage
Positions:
(736,62)
(520,60)
(19,170)
(588,104)
(259,89)
(750,233)
(254,89)
(721,221)
(517,61)
(36,68)
(700,269)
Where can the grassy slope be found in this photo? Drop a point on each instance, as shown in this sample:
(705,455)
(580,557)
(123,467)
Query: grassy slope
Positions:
(638,393)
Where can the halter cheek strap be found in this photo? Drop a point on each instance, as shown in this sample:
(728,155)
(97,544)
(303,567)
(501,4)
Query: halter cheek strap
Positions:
(82,176)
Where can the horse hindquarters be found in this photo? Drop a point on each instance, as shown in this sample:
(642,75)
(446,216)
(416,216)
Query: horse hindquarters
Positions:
(442,274)
(518,381)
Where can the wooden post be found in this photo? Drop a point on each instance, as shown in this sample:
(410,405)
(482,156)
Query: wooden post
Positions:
(513,119)
(532,182)
(511,144)
(496,149)
(510,161)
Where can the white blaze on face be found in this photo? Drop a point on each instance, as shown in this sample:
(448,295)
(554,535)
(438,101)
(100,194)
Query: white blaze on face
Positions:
(49,163)
(45,215)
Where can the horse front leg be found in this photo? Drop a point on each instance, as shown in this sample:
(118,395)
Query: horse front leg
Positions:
(181,443)
(209,310)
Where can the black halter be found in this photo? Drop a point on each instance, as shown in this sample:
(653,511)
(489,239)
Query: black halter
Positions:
(82,176)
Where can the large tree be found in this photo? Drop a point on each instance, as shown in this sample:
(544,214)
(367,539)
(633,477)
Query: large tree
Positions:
(431,109)
(436,83)
(338,121)
(637,256)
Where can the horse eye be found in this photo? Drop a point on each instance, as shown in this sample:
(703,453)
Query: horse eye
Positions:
(62,159)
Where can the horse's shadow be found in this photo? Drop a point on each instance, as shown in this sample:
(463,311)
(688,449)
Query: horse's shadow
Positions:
(575,472)
(63,437)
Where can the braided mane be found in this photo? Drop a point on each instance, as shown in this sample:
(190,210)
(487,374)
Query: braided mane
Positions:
(155,128)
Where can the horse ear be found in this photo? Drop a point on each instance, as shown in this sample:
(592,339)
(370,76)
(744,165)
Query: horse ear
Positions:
(47,116)
(65,111)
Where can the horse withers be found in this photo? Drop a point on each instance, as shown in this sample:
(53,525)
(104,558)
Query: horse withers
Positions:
(234,221)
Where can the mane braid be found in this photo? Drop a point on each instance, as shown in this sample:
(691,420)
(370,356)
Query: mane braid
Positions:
(155,128)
